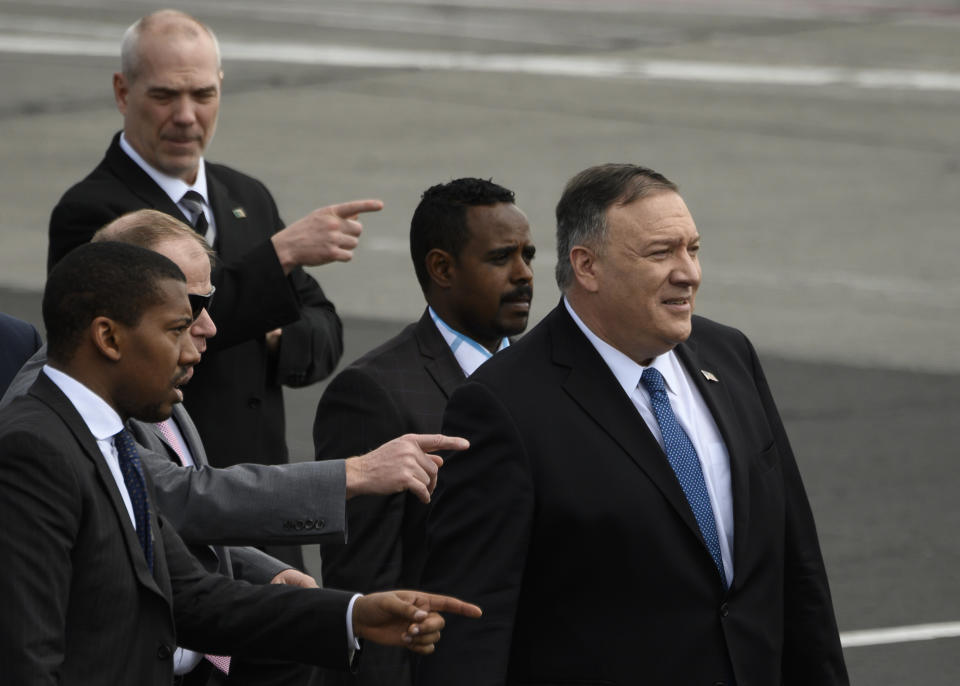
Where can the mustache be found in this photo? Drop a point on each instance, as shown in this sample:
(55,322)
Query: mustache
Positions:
(181,378)
(522,292)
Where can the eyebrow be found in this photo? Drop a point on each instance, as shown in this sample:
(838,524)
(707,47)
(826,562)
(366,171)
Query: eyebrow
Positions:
(512,247)
(164,90)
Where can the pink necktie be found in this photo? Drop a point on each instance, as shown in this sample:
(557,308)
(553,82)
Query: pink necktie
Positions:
(167,431)
(221,662)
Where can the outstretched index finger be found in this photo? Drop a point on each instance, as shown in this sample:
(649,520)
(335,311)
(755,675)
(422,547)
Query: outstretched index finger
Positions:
(349,210)
(431,442)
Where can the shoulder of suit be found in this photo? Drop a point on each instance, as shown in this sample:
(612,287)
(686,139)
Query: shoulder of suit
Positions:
(708,329)
(231,177)
(400,348)
(11,326)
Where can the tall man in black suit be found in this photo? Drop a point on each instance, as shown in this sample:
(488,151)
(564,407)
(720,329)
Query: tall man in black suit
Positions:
(629,510)
(97,587)
(276,326)
(471,251)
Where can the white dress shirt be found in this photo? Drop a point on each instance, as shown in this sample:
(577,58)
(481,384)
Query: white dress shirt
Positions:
(102,421)
(470,354)
(176,188)
(695,418)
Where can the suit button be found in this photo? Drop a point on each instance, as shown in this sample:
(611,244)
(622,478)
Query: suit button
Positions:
(724,610)
(253,403)
(164,651)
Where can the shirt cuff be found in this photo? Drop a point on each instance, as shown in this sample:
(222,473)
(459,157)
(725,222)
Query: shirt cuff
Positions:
(353,644)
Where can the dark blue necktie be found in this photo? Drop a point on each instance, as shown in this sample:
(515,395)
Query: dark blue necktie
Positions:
(137,489)
(686,465)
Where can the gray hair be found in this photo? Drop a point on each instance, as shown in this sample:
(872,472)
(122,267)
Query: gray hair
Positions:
(130,45)
(582,210)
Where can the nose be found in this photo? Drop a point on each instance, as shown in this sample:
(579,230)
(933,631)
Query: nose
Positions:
(203,327)
(687,270)
(183,112)
(189,354)
(522,271)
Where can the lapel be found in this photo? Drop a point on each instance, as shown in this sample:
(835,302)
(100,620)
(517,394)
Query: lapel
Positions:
(190,434)
(438,360)
(235,234)
(45,390)
(592,385)
(721,404)
(139,182)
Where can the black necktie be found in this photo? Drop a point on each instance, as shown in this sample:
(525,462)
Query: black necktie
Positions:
(193,201)
(137,489)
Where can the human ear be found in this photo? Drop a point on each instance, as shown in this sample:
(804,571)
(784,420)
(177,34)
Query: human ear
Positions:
(440,266)
(107,338)
(585,268)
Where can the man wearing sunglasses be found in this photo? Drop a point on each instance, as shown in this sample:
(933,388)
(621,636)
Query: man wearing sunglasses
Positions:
(252,504)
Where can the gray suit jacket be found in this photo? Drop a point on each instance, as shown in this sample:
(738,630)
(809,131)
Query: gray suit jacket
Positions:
(237,505)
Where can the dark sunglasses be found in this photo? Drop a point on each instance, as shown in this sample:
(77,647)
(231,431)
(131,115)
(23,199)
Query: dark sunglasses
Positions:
(199,302)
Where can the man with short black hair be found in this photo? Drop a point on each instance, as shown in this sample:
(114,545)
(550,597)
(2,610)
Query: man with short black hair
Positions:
(87,561)
(629,510)
(248,504)
(472,254)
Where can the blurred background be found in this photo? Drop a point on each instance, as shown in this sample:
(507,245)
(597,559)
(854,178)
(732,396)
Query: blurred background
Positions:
(816,143)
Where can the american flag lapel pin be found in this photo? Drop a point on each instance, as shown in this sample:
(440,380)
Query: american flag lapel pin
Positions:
(239,213)
(709,376)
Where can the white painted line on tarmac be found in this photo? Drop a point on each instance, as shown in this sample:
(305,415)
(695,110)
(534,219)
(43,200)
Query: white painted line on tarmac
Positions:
(542,65)
(899,634)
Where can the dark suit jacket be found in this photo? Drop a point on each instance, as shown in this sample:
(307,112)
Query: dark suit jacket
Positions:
(238,505)
(18,341)
(565,522)
(80,605)
(235,396)
(399,387)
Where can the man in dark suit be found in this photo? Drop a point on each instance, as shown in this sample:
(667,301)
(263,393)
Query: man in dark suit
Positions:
(97,588)
(629,510)
(472,251)
(249,504)
(276,325)
(18,341)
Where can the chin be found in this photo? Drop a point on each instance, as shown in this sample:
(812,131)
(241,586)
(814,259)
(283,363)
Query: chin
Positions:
(154,413)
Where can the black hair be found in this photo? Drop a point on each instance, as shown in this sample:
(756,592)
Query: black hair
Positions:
(105,279)
(440,220)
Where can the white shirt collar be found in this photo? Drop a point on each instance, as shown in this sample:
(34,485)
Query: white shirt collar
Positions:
(171,185)
(102,420)
(627,371)
(470,354)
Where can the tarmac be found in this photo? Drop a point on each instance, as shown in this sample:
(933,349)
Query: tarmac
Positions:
(815,143)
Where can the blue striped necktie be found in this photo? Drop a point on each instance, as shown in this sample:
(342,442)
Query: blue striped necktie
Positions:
(686,465)
(137,489)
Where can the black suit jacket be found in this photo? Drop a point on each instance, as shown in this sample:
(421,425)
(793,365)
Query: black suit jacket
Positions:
(399,387)
(565,522)
(81,606)
(18,341)
(235,396)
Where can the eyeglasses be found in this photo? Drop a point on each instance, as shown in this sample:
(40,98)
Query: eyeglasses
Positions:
(199,302)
